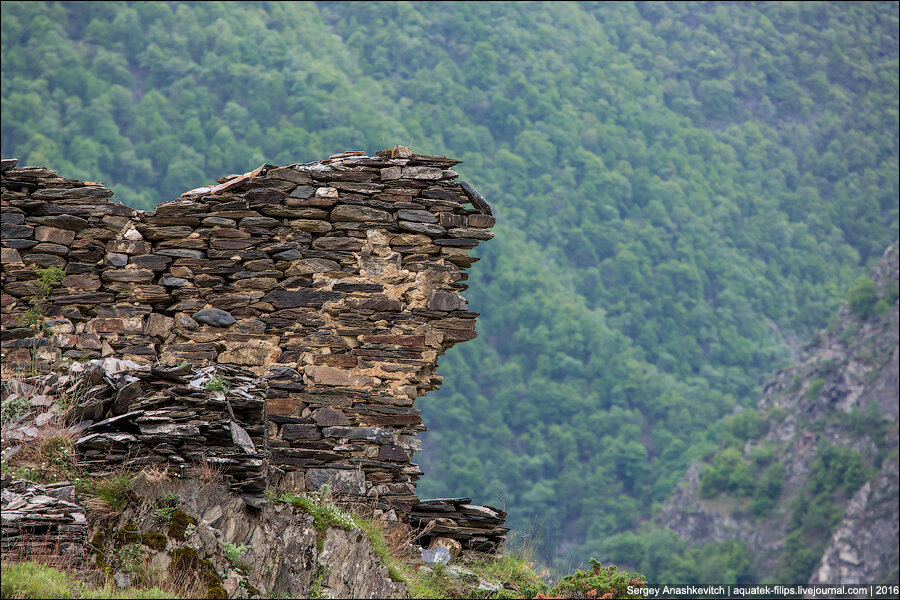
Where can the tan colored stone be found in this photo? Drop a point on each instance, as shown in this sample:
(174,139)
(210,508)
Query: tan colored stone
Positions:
(54,235)
(323,375)
(158,325)
(252,353)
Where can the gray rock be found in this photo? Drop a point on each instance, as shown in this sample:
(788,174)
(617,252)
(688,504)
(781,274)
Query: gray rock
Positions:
(438,555)
(215,317)
(420,216)
(116,259)
(425,228)
(343,482)
(350,212)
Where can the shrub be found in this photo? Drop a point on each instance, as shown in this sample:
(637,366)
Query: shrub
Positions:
(113,491)
(863,297)
(234,554)
(215,384)
(812,392)
(600,581)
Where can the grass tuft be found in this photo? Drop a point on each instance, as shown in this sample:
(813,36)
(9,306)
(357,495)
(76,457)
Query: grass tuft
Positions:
(34,580)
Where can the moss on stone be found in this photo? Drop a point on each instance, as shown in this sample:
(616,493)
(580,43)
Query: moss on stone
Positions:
(179,524)
(153,540)
(251,589)
(128,534)
(187,566)
(184,565)
(208,572)
(97,541)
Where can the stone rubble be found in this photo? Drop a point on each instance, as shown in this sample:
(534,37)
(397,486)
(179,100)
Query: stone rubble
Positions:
(477,528)
(42,523)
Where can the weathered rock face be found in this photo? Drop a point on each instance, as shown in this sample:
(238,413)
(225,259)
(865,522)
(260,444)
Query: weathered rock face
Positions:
(322,294)
(280,557)
(856,553)
(846,372)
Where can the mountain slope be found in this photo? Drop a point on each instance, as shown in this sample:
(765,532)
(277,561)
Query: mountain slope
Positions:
(811,482)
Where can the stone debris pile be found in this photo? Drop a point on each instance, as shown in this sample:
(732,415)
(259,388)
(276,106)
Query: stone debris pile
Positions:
(336,283)
(475,527)
(209,422)
(42,523)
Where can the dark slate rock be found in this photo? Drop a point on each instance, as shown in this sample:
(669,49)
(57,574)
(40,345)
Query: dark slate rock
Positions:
(13,218)
(263,196)
(19,244)
(10,230)
(303,297)
(181,253)
(445,301)
(440,194)
(265,222)
(79,193)
(293,431)
(117,259)
(152,262)
(43,260)
(349,212)
(457,243)
(215,317)
(62,221)
(358,287)
(328,417)
(125,396)
(475,198)
(392,453)
(303,191)
(288,255)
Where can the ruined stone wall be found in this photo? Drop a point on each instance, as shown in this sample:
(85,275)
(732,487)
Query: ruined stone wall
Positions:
(336,283)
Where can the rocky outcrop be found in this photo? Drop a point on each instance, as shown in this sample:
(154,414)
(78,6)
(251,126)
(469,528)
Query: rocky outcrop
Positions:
(856,553)
(276,551)
(841,391)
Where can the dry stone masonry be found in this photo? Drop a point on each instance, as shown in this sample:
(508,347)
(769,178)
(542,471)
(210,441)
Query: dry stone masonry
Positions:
(279,325)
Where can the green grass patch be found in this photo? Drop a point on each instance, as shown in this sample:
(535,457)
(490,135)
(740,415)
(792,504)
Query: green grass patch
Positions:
(324,513)
(515,568)
(34,580)
(113,492)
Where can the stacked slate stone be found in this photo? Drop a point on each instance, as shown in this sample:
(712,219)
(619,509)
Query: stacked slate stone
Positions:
(475,527)
(337,282)
(52,221)
(211,420)
(42,523)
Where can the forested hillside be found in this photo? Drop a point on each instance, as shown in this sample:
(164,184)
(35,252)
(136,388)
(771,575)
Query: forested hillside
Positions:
(683,190)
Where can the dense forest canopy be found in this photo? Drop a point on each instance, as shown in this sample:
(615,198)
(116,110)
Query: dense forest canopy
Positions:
(684,190)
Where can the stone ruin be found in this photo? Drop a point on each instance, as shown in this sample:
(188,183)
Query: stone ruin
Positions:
(277,326)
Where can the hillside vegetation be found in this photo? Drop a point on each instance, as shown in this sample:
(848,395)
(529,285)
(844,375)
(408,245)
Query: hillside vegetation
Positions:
(683,191)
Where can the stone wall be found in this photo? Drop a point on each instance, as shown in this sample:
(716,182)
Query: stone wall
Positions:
(337,284)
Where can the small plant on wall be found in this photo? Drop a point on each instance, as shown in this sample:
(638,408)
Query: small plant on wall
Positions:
(33,317)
